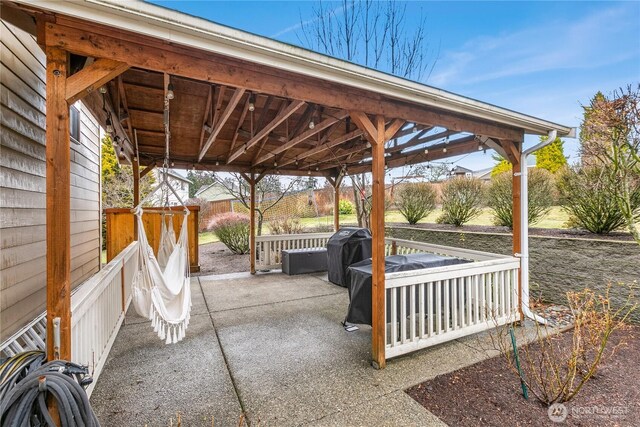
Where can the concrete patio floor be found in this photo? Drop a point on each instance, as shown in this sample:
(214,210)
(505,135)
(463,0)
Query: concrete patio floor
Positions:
(272,347)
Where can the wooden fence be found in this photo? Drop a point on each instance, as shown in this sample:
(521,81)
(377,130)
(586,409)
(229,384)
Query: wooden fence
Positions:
(120,230)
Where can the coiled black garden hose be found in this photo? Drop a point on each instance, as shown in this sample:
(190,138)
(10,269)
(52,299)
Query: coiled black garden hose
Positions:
(24,397)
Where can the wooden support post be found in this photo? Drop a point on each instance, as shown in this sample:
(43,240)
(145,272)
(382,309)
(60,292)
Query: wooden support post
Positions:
(394,248)
(377,254)
(517,225)
(377,134)
(336,203)
(58,214)
(252,223)
(136,190)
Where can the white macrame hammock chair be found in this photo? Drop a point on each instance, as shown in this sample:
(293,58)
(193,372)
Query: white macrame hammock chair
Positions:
(161,288)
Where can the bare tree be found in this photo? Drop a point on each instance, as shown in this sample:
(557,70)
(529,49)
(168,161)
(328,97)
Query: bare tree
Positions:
(610,137)
(269,192)
(373,34)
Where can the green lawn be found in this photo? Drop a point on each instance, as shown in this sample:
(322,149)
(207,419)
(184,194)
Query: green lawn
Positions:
(556,218)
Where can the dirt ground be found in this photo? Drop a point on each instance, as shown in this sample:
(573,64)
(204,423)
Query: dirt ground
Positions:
(215,258)
(487,394)
(548,232)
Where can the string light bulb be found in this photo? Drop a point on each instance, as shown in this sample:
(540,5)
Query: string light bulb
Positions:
(252,102)
(109,125)
(426,151)
(172,164)
(444,150)
(311,124)
(170,94)
(275,164)
(480,147)
(103,89)
(217,162)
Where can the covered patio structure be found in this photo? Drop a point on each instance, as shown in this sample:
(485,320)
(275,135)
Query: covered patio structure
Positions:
(235,102)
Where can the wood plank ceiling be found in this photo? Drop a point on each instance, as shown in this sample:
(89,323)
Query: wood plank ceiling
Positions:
(218,127)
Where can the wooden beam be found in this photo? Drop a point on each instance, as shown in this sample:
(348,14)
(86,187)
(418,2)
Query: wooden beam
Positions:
(517,223)
(393,128)
(329,121)
(58,213)
(245,109)
(291,108)
(457,147)
(135,169)
(220,122)
(205,117)
(252,224)
(153,54)
(93,76)
(336,202)
(340,140)
(378,290)
(125,104)
(366,125)
(146,170)
(495,145)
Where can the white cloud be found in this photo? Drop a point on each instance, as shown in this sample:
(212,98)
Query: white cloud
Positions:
(606,37)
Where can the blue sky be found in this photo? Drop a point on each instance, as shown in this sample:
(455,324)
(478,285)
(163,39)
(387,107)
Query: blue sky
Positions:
(540,58)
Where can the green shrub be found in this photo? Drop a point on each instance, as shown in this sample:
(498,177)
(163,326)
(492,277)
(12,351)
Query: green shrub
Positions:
(500,196)
(345,207)
(462,200)
(285,225)
(233,230)
(587,194)
(416,201)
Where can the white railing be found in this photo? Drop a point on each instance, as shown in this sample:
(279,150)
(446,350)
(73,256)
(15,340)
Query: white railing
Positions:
(430,306)
(98,307)
(98,310)
(269,248)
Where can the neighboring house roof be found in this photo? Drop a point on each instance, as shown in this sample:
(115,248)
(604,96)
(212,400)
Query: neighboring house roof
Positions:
(214,193)
(460,170)
(483,174)
(176,175)
(182,29)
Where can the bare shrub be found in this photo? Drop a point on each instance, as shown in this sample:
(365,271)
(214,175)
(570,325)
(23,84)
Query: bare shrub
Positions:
(541,196)
(587,195)
(555,372)
(462,199)
(285,225)
(233,230)
(415,201)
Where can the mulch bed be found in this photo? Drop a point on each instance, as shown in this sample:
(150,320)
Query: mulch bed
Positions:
(215,258)
(488,394)
(545,232)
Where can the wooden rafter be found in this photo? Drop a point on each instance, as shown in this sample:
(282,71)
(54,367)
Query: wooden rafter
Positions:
(291,108)
(231,106)
(329,121)
(123,100)
(245,110)
(338,141)
(93,76)
(151,54)
(205,117)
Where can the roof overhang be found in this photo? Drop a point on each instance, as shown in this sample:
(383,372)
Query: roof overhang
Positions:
(180,28)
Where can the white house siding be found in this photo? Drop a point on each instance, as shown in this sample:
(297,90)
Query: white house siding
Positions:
(23,185)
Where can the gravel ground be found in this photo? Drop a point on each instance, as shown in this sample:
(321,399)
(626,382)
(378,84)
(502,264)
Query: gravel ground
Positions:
(488,394)
(215,258)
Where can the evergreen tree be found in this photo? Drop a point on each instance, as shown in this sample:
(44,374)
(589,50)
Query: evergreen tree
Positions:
(552,156)
(502,165)
(198,180)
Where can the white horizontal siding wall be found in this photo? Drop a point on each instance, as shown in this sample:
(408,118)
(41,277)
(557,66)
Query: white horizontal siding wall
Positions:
(23,184)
